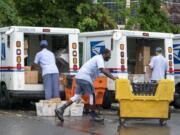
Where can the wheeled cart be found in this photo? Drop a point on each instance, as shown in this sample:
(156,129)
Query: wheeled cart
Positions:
(139,105)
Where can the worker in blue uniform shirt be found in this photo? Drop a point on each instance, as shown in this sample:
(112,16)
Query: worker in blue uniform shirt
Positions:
(158,64)
(50,73)
(84,83)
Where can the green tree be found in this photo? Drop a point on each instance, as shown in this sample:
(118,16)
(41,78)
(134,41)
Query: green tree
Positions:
(94,17)
(149,17)
(62,13)
(8,13)
(43,13)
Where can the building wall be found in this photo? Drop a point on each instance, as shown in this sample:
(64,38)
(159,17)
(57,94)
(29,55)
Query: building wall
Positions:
(172,9)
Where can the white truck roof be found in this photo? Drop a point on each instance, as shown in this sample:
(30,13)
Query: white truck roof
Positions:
(52,30)
(176,36)
(127,33)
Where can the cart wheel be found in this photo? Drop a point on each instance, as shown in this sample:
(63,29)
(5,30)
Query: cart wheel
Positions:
(121,122)
(162,122)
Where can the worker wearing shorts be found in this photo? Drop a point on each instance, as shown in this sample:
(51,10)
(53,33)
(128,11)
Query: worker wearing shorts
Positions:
(84,83)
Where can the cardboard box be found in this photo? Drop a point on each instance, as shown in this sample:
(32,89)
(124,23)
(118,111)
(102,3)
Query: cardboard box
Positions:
(147,70)
(143,55)
(77,109)
(31,77)
(27,68)
(146,55)
(26,44)
(57,101)
(25,52)
(139,69)
(45,109)
(40,79)
(142,59)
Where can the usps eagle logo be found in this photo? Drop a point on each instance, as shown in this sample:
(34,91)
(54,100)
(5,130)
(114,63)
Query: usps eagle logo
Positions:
(97,47)
(176,53)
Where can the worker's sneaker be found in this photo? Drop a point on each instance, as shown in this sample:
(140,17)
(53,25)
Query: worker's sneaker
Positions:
(96,117)
(59,113)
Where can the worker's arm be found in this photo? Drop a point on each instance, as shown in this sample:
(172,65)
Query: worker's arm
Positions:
(107,73)
(151,64)
(35,64)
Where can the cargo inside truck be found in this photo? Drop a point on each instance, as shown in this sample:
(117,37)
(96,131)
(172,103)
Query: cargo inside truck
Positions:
(58,44)
(139,53)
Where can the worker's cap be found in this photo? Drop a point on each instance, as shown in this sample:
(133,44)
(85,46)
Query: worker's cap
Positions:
(43,43)
(158,49)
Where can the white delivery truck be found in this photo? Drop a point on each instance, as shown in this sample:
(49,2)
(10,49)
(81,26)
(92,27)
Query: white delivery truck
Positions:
(18,46)
(176,48)
(130,52)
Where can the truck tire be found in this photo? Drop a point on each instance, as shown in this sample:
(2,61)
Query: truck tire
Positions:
(177,88)
(4,102)
(176,102)
(106,100)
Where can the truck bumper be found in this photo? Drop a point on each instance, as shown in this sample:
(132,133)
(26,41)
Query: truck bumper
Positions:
(26,94)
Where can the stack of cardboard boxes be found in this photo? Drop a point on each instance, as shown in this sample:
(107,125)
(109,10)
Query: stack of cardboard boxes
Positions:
(31,77)
(25,48)
(142,69)
(142,59)
(47,107)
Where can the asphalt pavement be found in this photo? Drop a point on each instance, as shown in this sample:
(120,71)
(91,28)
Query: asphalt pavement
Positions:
(20,121)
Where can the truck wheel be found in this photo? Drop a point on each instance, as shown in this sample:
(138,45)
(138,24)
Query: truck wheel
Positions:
(4,103)
(106,100)
(176,102)
(177,89)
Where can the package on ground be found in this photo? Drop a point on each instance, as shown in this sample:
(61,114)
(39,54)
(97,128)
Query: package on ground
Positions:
(31,77)
(47,107)
(77,109)
(53,100)
(67,110)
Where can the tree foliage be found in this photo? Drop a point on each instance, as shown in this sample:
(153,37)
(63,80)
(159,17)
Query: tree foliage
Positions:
(94,17)
(85,15)
(55,13)
(149,17)
(8,13)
